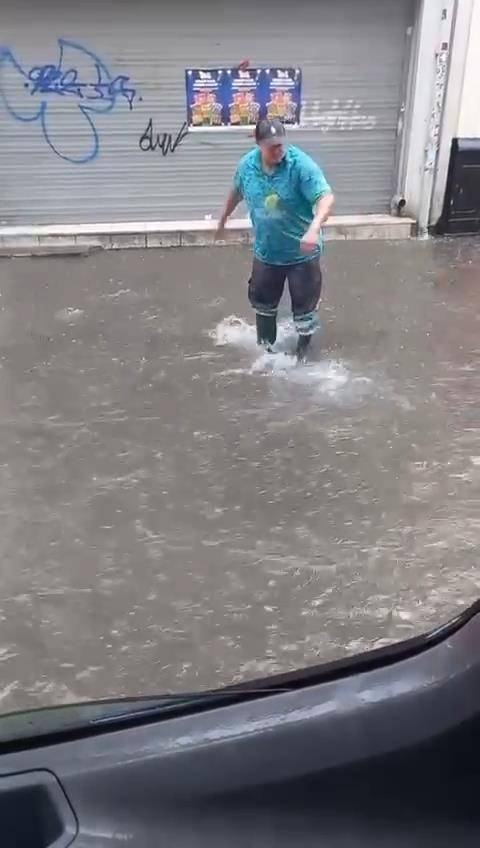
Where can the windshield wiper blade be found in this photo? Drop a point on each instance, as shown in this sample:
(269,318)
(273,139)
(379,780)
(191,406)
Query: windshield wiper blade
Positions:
(176,702)
(40,726)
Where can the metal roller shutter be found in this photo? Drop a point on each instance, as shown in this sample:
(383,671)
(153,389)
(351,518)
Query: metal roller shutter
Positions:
(352,53)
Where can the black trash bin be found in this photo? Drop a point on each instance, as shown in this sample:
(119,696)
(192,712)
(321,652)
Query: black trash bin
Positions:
(461,210)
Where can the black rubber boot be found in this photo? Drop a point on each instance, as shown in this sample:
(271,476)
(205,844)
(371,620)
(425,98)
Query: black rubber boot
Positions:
(266,330)
(302,347)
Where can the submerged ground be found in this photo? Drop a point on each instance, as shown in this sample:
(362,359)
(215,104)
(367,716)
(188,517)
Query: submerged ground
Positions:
(179,511)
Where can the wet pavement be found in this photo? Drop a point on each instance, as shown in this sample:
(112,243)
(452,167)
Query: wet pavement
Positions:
(180,511)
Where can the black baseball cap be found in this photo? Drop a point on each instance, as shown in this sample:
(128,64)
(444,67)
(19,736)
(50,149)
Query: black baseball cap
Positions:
(273,131)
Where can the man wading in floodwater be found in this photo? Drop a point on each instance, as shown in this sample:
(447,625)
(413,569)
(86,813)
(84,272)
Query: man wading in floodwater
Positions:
(289,200)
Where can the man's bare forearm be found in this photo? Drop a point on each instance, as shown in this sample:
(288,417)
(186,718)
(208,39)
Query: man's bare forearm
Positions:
(233,199)
(323,208)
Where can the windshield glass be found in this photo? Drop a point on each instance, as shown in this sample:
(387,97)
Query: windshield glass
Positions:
(239,340)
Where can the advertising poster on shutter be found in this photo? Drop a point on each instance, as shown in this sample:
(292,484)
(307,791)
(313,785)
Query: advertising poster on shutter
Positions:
(244,100)
(283,97)
(231,97)
(205,97)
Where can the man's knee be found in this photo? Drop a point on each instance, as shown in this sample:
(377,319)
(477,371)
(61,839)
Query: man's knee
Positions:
(259,302)
(265,287)
(305,281)
(307,323)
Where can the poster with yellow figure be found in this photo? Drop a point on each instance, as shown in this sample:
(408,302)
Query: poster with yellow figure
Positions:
(239,97)
(245,101)
(284,91)
(204,100)
(281,106)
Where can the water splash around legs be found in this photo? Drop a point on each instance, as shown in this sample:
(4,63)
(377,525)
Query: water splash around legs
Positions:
(328,375)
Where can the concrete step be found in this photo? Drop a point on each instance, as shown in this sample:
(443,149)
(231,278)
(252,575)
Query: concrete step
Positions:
(70,239)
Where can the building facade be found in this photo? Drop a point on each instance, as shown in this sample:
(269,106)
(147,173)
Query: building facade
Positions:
(456,197)
(95,125)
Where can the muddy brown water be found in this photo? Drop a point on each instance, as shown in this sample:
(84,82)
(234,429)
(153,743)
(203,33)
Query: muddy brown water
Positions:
(179,511)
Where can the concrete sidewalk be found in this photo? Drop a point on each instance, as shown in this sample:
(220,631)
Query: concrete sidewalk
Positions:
(67,239)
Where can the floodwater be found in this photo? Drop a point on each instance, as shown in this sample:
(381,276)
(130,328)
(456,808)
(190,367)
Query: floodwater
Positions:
(180,510)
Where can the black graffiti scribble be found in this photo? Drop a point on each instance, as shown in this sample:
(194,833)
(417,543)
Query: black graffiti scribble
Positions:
(164,142)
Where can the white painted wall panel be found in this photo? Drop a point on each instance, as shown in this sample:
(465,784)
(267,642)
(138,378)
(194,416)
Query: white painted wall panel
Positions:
(469,121)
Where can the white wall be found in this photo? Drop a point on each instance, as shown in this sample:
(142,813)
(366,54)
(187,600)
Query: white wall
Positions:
(469,119)
(433,31)
(454,26)
(460,39)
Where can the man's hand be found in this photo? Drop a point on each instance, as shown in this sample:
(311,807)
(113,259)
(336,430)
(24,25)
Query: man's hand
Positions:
(233,200)
(220,231)
(322,210)
(310,240)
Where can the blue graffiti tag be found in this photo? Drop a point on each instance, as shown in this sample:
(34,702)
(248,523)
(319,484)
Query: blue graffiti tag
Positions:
(92,90)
